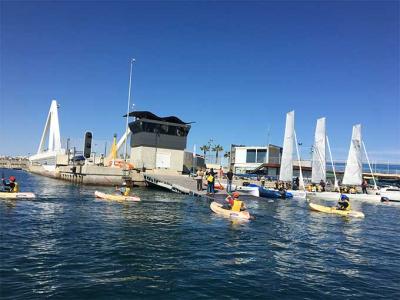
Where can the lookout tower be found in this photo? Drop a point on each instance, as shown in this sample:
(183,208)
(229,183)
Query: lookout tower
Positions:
(158,142)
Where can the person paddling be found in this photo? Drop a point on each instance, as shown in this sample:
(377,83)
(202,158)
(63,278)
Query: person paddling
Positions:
(10,185)
(124,190)
(343,203)
(234,203)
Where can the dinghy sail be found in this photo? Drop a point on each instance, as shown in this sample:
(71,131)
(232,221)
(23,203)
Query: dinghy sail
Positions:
(319,151)
(286,169)
(353,170)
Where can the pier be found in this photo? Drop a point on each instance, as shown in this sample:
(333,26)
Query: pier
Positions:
(175,183)
(178,184)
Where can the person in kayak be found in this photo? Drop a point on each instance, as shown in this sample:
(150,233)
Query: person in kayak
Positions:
(10,185)
(124,190)
(343,203)
(233,202)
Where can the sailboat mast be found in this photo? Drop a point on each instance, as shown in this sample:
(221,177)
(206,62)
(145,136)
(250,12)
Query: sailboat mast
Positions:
(369,165)
(336,185)
(127,111)
(298,159)
(268,138)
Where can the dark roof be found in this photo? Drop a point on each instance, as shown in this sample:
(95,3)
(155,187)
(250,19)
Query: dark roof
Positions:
(151,116)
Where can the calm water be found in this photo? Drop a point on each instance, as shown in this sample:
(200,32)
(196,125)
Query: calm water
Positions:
(66,244)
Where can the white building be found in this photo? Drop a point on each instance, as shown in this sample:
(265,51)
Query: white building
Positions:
(259,159)
(248,158)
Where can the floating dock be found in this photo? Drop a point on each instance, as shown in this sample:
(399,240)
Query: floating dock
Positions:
(178,184)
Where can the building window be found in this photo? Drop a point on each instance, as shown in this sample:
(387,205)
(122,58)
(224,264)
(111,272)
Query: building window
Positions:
(251,156)
(261,155)
(140,126)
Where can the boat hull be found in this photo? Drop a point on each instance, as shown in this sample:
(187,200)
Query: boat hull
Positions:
(334,196)
(7,195)
(298,194)
(217,208)
(334,210)
(270,193)
(112,197)
(391,193)
(249,190)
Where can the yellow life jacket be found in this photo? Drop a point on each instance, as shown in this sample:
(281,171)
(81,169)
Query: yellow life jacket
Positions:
(127,191)
(309,188)
(313,189)
(210,178)
(16,188)
(237,205)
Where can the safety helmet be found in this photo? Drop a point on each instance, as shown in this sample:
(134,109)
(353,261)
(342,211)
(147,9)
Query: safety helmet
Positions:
(344,197)
(12,178)
(235,195)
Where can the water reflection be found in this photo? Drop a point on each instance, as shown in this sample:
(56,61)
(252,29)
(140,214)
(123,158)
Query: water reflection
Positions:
(67,244)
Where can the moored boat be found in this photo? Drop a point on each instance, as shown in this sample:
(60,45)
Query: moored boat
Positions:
(270,193)
(298,194)
(334,196)
(249,190)
(392,193)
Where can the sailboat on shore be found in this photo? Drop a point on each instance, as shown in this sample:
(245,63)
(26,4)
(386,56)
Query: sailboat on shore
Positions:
(318,162)
(352,174)
(286,168)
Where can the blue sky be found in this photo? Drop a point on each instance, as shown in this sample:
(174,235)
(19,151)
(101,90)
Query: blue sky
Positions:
(235,68)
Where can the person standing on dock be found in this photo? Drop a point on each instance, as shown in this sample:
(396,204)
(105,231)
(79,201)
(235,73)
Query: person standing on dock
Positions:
(199,179)
(297,183)
(322,185)
(221,173)
(364,185)
(229,178)
(210,181)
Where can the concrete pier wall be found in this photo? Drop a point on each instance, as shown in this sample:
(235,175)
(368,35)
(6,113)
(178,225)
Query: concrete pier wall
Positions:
(88,174)
(48,171)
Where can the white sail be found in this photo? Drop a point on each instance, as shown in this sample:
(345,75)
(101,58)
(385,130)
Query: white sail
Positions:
(286,170)
(353,170)
(318,158)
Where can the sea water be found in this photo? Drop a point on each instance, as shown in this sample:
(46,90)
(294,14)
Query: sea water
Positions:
(67,244)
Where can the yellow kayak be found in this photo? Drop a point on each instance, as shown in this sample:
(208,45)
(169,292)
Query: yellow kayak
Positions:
(334,210)
(115,197)
(217,208)
(8,195)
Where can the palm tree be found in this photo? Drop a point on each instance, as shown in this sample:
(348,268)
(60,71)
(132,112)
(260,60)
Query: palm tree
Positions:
(227,154)
(217,148)
(205,148)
